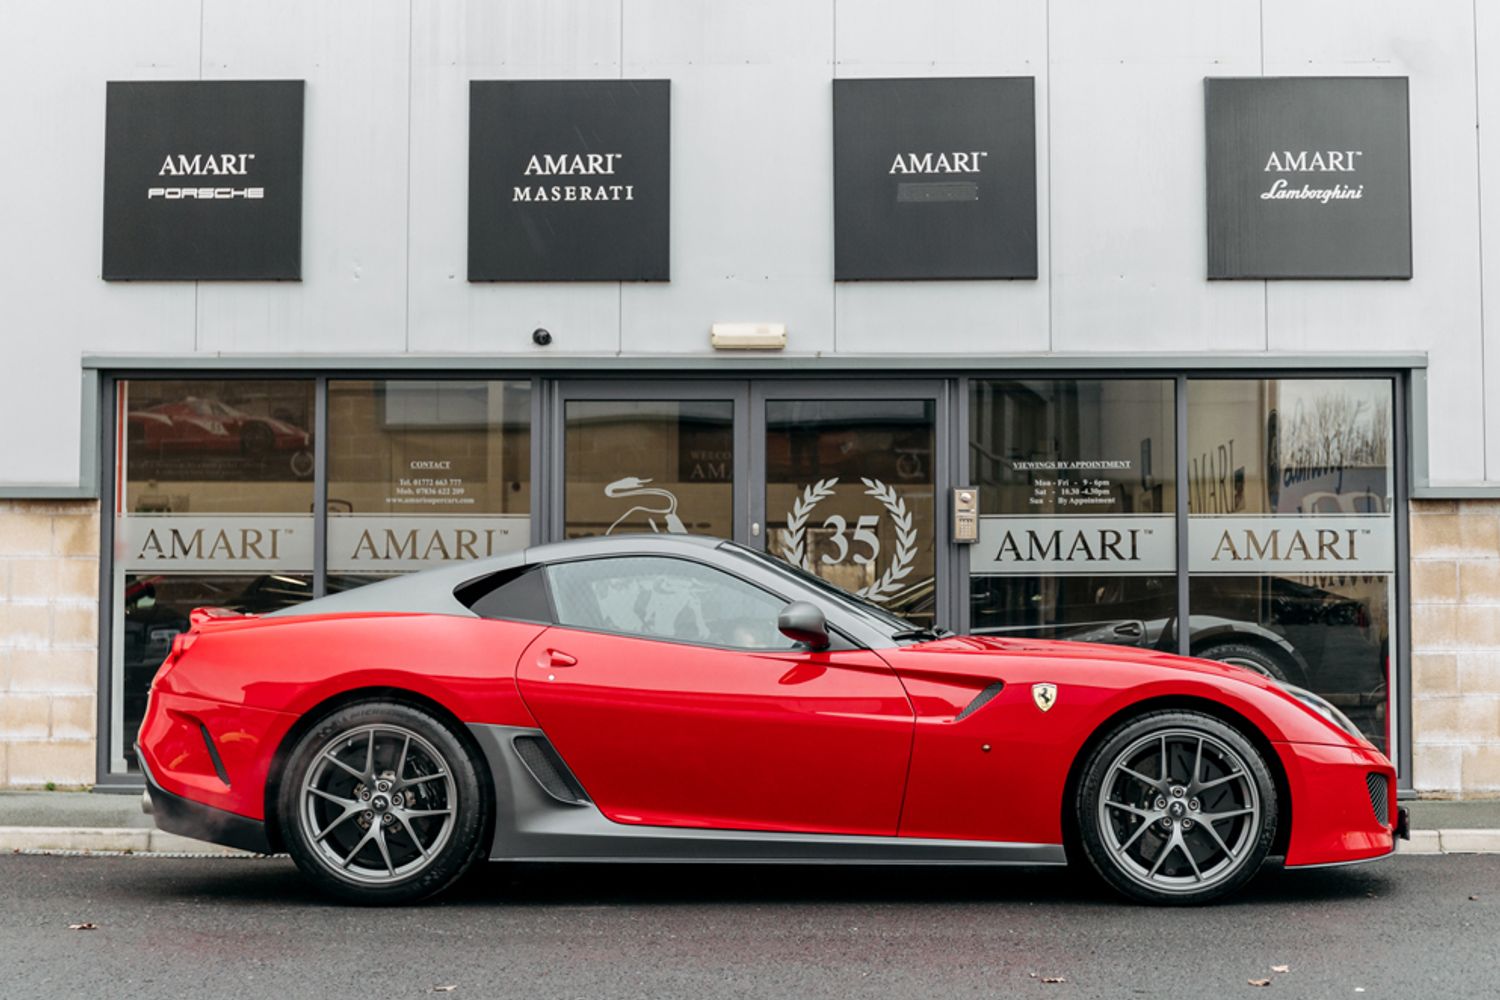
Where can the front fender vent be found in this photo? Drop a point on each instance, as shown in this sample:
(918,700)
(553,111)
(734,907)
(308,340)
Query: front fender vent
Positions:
(542,760)
(980,700)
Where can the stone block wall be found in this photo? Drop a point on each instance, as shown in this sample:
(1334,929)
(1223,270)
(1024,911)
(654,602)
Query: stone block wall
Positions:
(49,631)
(1455,634)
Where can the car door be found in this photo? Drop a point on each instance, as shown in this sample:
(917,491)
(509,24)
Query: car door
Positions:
(669,692)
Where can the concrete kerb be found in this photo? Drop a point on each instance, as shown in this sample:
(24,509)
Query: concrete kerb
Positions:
(105,840)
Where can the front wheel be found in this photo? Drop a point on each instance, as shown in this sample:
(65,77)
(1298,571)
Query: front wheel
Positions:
(1176,807)
(382,803)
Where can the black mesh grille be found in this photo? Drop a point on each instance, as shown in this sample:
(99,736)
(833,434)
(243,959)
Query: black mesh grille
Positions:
(548,769)
(1380,797)
(979,701)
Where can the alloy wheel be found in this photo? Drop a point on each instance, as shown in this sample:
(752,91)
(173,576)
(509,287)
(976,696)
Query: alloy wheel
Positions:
(1179,811)
(378,803)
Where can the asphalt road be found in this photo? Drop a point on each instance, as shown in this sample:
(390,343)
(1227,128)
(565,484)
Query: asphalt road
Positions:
(1406,927)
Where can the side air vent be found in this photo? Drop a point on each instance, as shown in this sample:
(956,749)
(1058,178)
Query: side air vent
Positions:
(549,770)
(1380,797)
(980,700)
(213,754)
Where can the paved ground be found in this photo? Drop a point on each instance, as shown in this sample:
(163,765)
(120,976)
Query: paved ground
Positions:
(1407,927)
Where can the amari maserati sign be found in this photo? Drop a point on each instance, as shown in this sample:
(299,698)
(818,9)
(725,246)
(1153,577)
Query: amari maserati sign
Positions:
(934,178)
(1308,177)
(569,180)
(203,180)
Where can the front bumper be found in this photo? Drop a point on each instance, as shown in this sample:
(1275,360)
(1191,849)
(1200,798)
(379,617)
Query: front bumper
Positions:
(1334,820)
(187,818)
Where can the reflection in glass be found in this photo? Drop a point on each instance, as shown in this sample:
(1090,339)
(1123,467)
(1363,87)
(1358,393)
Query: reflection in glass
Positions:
(215,510)
(1076,483)
(156,609)
(849,496)
(422,472)
(1292,546)
(662,466)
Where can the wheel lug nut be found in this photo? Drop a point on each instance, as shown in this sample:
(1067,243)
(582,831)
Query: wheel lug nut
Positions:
(1161,803)
(1193,805)
(1187,824)
(369,814)
(387,817)
(1166,823)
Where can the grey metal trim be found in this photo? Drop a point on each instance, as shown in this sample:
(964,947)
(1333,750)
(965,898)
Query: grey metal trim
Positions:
(104,482)
(789,364)
(1181,502)
(961,459)
(541,427)
(532,826)
(320,486)
(1398,690)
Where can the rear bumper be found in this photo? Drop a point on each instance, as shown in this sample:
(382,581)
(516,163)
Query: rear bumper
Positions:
(187,818)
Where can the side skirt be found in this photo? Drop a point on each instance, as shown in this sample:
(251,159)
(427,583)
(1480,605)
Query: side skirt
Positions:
(533,825)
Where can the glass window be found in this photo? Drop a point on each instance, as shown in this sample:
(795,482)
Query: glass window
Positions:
(1291,540)
(662,465)
(660,598)
(1076,481)
(850,490)
(215,508)
(424,472)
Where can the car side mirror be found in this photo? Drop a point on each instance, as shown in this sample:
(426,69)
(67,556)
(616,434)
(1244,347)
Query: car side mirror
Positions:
(803,622)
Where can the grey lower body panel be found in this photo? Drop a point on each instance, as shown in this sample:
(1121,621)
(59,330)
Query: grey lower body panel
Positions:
(532,825)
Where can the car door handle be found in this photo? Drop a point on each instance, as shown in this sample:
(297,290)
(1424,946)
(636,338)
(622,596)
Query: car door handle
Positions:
(555,658)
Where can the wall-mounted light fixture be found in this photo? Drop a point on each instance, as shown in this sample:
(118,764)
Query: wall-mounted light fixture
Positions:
(747,336)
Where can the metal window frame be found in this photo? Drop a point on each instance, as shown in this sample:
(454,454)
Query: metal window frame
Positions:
(548,377)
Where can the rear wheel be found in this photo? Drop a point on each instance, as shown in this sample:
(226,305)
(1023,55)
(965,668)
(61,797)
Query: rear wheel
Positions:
(382,803)
(1176,807)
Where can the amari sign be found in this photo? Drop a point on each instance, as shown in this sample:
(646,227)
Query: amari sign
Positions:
(934,178)
(1308,177)
(569,180)
(203,180)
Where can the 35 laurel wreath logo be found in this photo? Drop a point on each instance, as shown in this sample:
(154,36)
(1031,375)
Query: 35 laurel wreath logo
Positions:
(795,548)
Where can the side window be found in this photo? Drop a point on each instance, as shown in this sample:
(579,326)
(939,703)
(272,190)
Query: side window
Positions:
(511,595)
(661,598)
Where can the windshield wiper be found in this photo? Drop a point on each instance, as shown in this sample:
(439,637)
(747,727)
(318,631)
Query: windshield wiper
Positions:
(922,633)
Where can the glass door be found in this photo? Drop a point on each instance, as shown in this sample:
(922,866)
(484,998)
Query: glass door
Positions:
(665,457)
(849,483)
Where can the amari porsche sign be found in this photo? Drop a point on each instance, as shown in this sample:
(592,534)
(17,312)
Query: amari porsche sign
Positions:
(1308,178)
(203,180)
(934,178)
(569,180)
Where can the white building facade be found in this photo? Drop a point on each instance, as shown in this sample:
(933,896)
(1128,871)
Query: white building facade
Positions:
(1299,473)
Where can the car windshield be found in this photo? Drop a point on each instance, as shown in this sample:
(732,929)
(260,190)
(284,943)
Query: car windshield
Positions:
(871,614)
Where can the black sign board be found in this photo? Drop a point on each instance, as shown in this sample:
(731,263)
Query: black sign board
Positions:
(934,178)
(203,180)
(569,180)
(1308,177)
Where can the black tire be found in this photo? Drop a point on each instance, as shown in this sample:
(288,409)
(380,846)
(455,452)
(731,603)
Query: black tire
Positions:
(257,440)
(432,812)
(1148,821)
(1252,657)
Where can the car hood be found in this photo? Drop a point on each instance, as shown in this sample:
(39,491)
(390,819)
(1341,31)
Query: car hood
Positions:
(1094,653)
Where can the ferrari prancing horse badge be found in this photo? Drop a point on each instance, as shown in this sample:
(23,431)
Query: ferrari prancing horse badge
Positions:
(1045,695)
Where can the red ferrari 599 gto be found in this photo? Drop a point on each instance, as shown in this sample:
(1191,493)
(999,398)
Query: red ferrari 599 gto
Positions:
(679,698)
